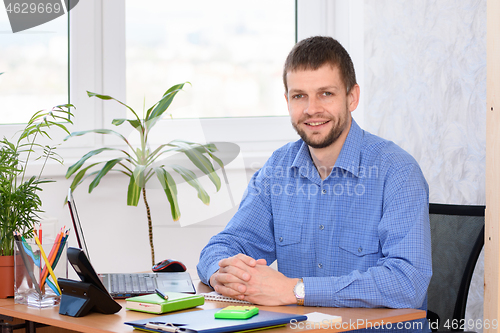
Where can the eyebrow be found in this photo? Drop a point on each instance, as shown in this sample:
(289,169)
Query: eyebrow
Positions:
(328,88)
(300,91)
(295,91)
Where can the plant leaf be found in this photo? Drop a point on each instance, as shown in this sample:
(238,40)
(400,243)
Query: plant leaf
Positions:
(98,131)
(72,169)
(106,97)
(168,184)
(209,149)
(78,179)
(83,178)
(133,193)
(105,169)
(139,176)
(164,101)
(118,122)
(192,180)
(157,152)
(155,115)
(134,122)
(61,126)
(199,160)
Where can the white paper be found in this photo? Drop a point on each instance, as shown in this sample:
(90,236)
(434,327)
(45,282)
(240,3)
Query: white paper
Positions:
(318,317)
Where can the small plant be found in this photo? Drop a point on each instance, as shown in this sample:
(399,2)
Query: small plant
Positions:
(142,163)
(19,200)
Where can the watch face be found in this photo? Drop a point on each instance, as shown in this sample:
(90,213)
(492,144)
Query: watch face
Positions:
(299,289)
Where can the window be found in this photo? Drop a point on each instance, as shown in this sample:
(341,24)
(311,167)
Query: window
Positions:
(35,66)
(232,52)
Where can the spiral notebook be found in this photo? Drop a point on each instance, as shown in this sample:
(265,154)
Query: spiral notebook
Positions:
(216,297)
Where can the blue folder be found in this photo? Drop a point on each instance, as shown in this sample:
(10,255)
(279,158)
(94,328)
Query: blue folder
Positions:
(203,321)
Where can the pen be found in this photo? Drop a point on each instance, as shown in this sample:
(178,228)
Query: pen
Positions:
(164,327)
(162,295)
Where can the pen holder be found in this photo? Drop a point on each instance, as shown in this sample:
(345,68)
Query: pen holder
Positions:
(35,284)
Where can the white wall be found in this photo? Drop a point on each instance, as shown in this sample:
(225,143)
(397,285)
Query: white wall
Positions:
(425,67)
(425,87)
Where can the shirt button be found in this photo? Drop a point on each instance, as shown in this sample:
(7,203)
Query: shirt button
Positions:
(360,249)
(324,191)
(320,265)
(281,239)
(321,227)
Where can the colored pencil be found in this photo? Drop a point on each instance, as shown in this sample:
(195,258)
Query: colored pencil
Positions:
(47,263)
(52,256)
(61,248)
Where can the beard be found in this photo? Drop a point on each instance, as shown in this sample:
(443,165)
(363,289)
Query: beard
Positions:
(338,126)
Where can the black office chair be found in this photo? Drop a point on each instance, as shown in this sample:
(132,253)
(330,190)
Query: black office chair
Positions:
(457,233)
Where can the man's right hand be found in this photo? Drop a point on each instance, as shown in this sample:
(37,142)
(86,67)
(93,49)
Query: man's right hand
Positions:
(231,278)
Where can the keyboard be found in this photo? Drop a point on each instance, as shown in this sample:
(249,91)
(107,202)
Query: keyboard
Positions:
(123,285)
(132,283)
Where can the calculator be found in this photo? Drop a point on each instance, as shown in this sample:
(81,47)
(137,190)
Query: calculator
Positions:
(237,312)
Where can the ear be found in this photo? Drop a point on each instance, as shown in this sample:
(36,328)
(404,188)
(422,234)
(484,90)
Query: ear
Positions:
(353,98)
(286,98)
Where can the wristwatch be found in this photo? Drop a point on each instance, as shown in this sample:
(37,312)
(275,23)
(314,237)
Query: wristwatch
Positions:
(299,292)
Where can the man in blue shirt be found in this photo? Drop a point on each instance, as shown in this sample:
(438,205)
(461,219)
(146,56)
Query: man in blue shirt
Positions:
(344,212)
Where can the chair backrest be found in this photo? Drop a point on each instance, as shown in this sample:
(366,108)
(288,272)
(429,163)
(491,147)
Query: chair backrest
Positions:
(457,233)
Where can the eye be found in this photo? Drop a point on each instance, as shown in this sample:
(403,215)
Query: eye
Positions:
(298,96)
(327,93)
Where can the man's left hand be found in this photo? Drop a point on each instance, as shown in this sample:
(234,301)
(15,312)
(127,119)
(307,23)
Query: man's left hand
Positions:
(269,287)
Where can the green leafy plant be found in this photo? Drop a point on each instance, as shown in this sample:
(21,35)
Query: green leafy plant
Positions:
(19,200)
(141,164)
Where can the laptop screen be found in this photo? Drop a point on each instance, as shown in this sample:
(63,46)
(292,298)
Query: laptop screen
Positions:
(80,238)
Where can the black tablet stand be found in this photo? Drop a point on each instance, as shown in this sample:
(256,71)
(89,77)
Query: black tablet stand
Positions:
(79,298)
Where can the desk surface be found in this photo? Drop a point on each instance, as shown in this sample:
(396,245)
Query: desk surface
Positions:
(352,318)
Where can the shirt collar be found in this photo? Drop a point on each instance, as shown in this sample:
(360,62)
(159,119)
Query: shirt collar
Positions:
(303,161)
(348,159)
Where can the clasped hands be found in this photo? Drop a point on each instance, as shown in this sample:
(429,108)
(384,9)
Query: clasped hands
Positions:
(245,278)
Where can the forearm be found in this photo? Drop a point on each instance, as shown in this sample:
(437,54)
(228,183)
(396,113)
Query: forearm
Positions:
(226,245)
(210,257)
(249,232)
(381,286)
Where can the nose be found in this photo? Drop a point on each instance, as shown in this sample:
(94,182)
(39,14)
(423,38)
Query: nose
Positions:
(314,106)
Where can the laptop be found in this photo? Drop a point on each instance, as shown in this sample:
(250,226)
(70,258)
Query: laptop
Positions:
(123,285)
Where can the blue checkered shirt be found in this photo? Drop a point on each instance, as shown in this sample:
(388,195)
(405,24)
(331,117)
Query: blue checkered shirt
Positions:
(359,238)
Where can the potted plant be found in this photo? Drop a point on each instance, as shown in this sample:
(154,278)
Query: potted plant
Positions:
(142,164)
(19,200)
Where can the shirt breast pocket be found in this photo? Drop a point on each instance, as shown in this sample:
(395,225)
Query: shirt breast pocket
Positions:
(360,245)
(288,238)
(288,235)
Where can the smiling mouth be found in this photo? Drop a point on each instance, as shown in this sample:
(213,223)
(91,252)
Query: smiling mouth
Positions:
(317,123)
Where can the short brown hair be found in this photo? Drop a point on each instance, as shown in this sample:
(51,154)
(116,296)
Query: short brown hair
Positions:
(313,52)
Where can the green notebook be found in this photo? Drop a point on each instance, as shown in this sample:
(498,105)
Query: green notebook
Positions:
(153,303)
